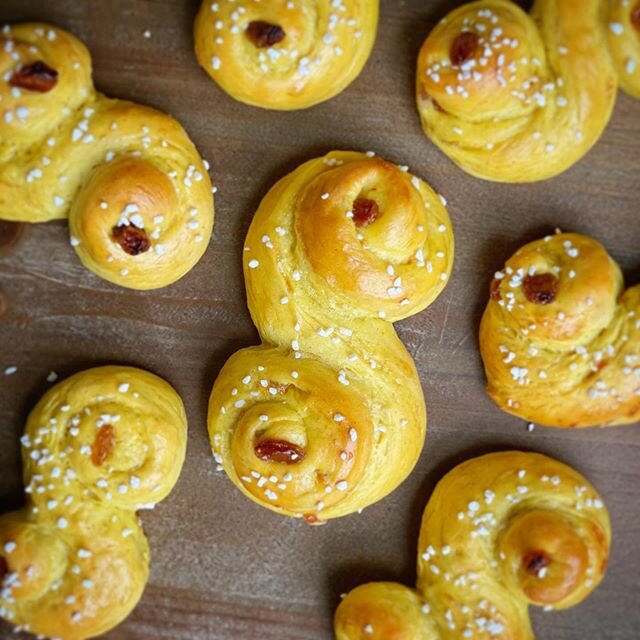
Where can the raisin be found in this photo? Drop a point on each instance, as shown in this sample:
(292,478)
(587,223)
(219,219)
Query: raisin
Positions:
(463,48)
(279,451)
(535,561)
(103,445)
(263,34)
(36,76)
(365,212)
(4,568)
(635,16)
(133,240)
(541,288)
(494,290)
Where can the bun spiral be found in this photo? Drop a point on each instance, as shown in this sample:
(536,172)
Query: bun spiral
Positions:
(135,190)
(560,339)
(327,415)
(285,55)
(513,97)
(500,532)
(97,447)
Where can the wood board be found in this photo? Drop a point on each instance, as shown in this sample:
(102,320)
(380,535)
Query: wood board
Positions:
(222,567)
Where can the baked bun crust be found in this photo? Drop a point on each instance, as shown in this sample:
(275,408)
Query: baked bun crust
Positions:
(285,55)
(560,338)
(513,97)
(327,416)
(128,178)
(500,532)
(98,446)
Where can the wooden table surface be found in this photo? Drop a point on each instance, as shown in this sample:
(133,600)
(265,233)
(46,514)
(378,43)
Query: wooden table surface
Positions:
(223,567)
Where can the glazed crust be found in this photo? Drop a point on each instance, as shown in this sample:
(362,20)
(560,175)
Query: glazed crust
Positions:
(319,48)
(573,361)
(70,152)
(520,97)
(98,446)
(500,532)
(331,377)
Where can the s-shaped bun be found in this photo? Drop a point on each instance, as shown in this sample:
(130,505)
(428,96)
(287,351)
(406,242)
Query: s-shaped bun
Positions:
(513,97)
(98,446)
(560,337)
(135,191)
(327,416)
(500,532)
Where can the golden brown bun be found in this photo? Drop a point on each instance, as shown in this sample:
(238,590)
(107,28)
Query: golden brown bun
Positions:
(624,43)
(97,447)
(383,611)
(327,416)
(285,55)
(560,339)
(135,190)
(499,533)
(518,98)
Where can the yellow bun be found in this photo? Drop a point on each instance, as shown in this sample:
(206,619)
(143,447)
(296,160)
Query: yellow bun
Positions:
(285,55)
(135,190)
(383,611)
(517,98)
(327,416)
(560,338)
(97,447)
(500,532)
(624,43)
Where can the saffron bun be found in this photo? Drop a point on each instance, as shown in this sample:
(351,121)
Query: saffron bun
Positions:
(500,532)
(128,178)
(560,337)
(513,97)
(327,415)
(97,447)
(285,55)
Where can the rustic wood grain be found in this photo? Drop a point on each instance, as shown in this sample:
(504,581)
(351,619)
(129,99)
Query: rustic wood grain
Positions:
(224,568)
